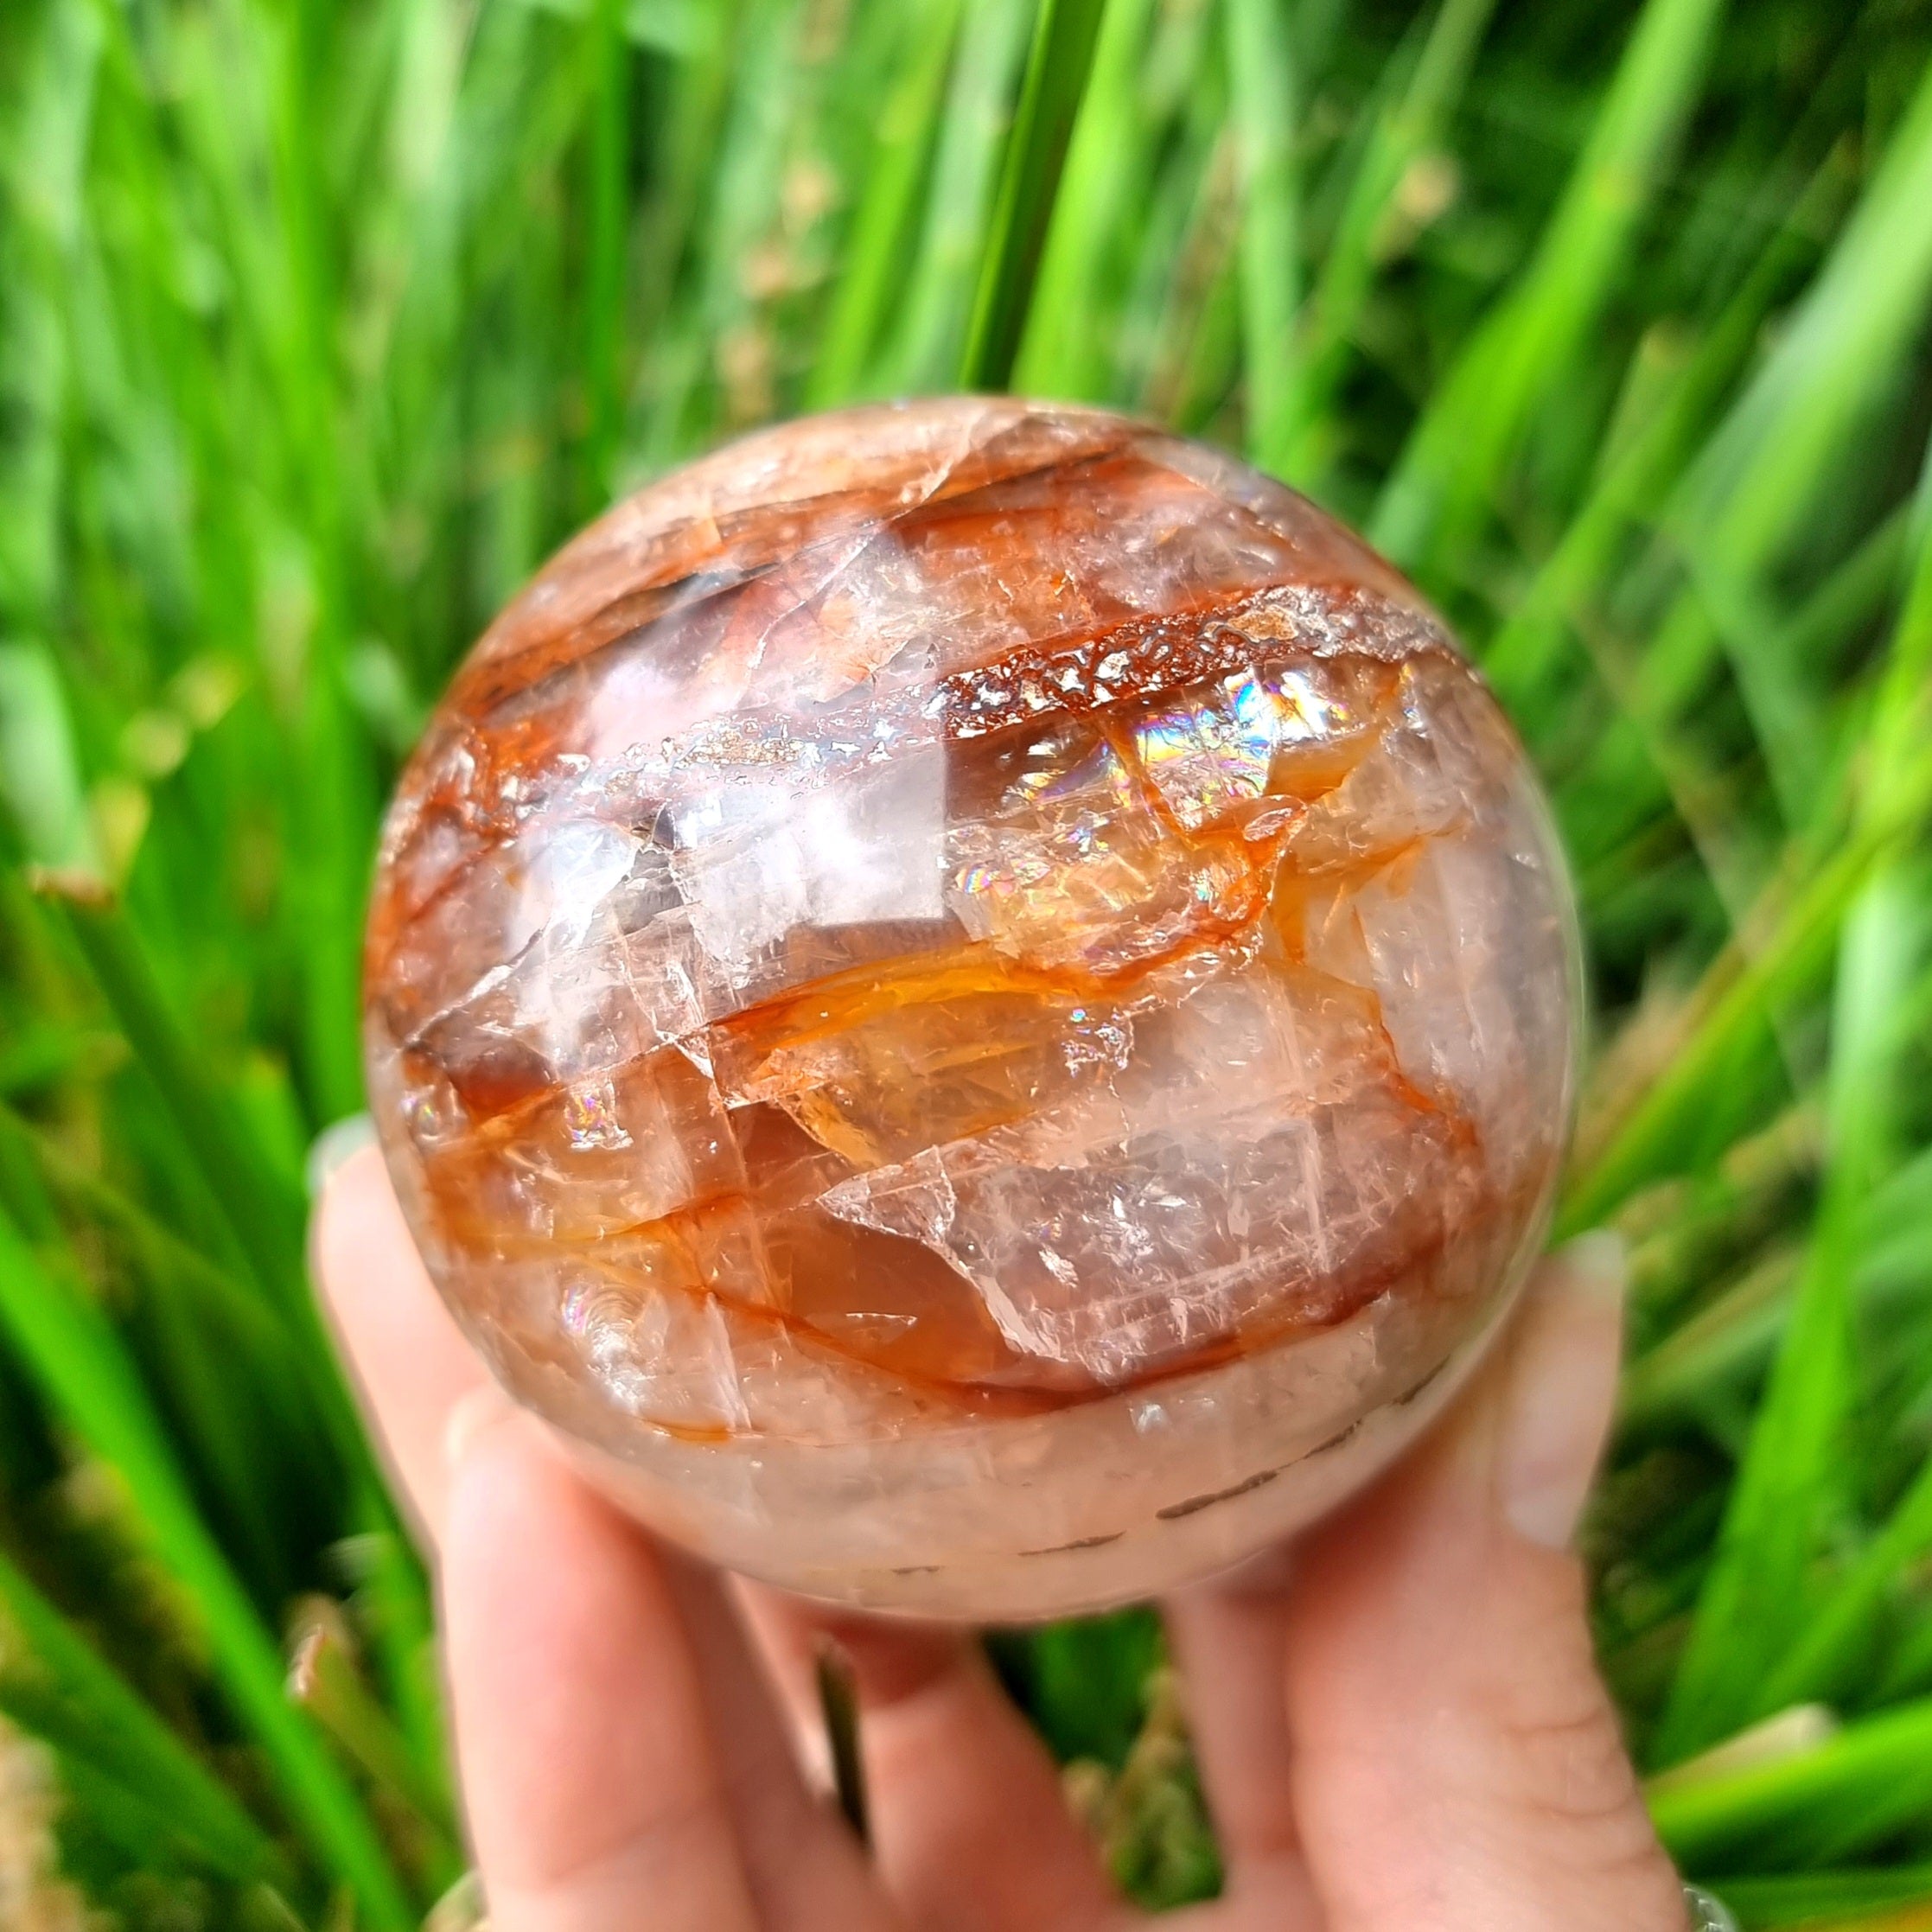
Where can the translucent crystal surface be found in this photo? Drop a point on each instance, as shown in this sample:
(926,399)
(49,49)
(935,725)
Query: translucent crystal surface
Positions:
(976,1003)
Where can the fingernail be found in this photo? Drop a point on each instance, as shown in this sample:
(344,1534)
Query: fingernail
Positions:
(333,1147)
(1561,1390)
(480,1410)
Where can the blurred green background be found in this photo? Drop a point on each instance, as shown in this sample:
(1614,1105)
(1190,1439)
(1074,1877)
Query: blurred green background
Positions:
(323,321)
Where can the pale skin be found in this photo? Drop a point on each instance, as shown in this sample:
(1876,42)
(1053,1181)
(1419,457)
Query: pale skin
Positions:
(1399,1724)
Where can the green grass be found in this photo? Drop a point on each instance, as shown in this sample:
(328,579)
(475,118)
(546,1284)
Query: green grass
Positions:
(321,324)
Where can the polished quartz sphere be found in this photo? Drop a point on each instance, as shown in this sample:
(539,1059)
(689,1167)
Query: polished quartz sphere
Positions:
(974,1001)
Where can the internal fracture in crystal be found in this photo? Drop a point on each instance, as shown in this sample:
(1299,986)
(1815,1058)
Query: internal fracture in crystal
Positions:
(976,1002)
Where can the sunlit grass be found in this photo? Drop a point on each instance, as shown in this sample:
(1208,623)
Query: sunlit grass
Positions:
(320,325)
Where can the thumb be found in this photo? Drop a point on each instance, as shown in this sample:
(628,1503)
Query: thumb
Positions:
(1457,1760)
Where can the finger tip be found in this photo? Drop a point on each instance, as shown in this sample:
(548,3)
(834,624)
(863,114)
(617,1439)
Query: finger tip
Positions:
(1595,1265)
(334,1148)
(513,1510)
(1559,1390)
(400,1348)
(472,1413)
(354,1212)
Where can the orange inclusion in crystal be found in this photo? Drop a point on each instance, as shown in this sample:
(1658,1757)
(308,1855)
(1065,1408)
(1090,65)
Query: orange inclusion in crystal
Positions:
(708,1162)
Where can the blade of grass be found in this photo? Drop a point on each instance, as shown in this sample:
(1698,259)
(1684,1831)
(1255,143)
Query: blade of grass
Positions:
(1831,1656)
(694,401)
(393,1608)
(1756,484)
(425,417)
(1791,957)
(194,1330)
(1732,1335)
(224,1301)
(1831,1901)
(1884,937)
(1455,459)
(1058,64)
(1262,101)
(925,343)
(1196,343)
(1754,1606)
(1850,1793)
(1724,1340)
(52,107)
(1064,350)
(265,1227)
(1902,704)
(83,1708)
(40,774)
(1748,500)
(143,1828)
(77,1359)
(874,261)
(1521,658)
(1820,630)
(1184,90)
(326,1679)
(1894,796)
(333,803)
(685,152)
(608,54)
(1743,1656)
(1405,130)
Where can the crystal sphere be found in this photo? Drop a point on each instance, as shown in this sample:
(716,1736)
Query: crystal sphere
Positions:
(975,1003)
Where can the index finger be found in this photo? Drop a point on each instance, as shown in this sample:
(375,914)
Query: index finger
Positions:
(405,1355)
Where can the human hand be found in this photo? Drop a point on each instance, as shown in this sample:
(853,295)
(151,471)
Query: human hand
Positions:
(1400,1725)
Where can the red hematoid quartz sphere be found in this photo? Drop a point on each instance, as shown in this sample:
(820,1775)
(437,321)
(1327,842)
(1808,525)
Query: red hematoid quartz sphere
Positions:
(973,1000)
